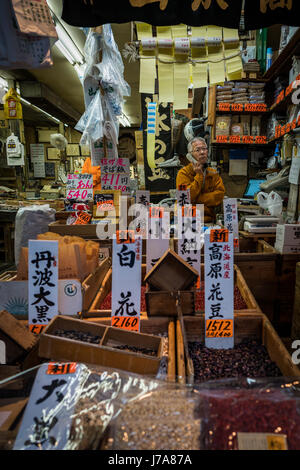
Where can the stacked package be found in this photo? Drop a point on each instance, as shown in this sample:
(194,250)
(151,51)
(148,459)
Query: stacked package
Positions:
(256,92)
(224,93)
(240,92)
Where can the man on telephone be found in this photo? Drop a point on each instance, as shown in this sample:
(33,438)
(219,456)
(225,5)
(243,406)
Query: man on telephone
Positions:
(205,184)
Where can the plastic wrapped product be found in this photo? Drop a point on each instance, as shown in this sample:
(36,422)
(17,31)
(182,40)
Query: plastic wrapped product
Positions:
(164,419)
(31,221)
(261,414)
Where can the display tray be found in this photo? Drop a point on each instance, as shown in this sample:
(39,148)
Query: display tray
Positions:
(160,326)
(103,347)
(254,326)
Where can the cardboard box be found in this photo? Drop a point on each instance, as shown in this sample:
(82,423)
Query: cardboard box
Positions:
(73,296)
(104,353)
(171,273)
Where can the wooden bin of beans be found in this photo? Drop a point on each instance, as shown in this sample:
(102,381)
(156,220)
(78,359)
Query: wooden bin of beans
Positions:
(69,339)
(258,351)
(159,326)
(244,300)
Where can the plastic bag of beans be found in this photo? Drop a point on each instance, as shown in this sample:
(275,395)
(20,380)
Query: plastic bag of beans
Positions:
(251,414)
(165,419)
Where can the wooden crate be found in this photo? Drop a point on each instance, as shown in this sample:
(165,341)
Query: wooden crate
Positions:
(252,326)
(154,326)
(105,353)
(163,303)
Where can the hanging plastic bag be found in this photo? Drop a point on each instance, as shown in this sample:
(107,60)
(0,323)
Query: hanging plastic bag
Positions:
(91,122)
(274,204)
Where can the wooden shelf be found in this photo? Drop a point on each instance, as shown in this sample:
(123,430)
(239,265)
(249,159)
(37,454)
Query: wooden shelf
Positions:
(281,64)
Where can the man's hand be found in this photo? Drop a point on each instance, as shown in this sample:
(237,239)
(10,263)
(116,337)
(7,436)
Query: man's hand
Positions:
(198,167)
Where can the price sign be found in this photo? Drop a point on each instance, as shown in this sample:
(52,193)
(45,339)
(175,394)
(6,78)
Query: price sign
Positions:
(244,139)
(83,218)
(243,107)
(219,288)
(42,281)
(231,219)
(48,416)
(126,282)
(219,328)
(80,187)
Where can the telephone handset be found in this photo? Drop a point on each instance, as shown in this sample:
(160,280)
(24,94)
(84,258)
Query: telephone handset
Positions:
(194,161)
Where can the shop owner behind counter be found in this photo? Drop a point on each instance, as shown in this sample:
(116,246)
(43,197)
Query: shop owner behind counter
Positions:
(205,184)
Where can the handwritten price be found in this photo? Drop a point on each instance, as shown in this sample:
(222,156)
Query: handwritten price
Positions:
(127,323)
(219,328)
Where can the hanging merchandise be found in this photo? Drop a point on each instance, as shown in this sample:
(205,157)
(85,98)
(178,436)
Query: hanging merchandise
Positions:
(104,87)
(34,18)
(12,105)
(156,12)
(14,151)
(19,50)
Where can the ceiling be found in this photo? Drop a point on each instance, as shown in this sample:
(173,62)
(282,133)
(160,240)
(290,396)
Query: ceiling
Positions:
(61,82)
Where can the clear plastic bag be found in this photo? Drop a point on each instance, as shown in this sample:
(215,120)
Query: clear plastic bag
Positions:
(71,405)
(269,407)
(164,419)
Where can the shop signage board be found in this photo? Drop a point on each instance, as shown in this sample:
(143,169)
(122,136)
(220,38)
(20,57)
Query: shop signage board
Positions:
(231,221)
(42,282)
(80,187)
(264,13)
(219,289)
(47,419)
(126,280)
(158,235)
(155,12)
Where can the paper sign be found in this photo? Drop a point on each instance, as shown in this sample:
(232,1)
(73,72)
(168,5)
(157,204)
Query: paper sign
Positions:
(126,283)
(231,220)
(49,412)
(294,171)
(116,182)
(219,289)
(80,187)
(42,281)
(183,197)
(115,165)
(143,197)
(190,222)
(157,243)
(261,441)
(83,218)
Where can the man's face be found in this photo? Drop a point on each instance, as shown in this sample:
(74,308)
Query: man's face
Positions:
(200,151)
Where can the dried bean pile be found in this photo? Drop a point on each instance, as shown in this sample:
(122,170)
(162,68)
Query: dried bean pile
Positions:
(147,351)
(239,303)
(267,410)
(78,336)
(163,420)
(247,359)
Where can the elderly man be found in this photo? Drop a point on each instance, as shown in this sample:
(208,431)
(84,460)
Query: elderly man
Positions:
(205,184)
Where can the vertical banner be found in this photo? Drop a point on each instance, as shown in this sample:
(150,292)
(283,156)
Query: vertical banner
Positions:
(231,221)
(219,289)
(47,419)
(126,280)
(151,130)
(148,62)
(156,178)
(42,283)
(157,243)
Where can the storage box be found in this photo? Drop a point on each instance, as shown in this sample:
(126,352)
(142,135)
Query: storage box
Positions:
(105,352)
(73,296)
(253,326)
(163,303)
(160,326)
(171,273)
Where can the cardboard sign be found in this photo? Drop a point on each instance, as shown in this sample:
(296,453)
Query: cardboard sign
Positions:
(126,282)
(48,415)
(231,221)
(219,289)
(80,187)
(42,281)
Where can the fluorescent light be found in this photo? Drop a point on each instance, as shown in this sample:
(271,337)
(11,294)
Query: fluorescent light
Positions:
(39,109)
(124,120)
(65,52)
(69,44)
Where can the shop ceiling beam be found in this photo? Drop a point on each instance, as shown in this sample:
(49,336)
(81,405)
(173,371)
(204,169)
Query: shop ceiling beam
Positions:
(43,97)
